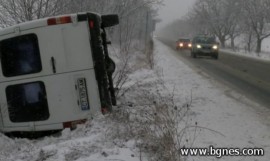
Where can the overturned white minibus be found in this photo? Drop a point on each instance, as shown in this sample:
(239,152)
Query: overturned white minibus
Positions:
(55,72)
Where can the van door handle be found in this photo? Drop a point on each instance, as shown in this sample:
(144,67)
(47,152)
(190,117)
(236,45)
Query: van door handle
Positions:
(53,64)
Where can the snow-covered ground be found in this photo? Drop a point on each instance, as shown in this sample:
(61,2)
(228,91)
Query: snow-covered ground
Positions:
(264,55)
(244,124)
(89,142)
(224,117)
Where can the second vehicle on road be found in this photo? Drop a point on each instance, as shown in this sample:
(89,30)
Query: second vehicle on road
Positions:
(204,46)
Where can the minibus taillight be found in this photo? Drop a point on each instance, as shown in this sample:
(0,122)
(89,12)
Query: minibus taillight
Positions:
(91,24)
(59,20)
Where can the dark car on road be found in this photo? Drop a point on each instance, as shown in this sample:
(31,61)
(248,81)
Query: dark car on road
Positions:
(204,46)
(183,44)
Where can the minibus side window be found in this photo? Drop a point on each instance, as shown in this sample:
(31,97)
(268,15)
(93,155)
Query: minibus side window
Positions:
(27,102)
(20,55)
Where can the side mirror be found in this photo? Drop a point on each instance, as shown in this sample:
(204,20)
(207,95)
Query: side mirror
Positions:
(109,20)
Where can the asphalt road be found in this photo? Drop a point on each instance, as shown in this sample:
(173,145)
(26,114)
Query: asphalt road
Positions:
(250,77)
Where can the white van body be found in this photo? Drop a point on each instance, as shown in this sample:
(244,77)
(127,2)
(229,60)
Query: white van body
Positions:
(51,82)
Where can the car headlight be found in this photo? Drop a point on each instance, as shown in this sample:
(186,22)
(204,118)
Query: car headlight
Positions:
(215,47)
(181,44)
(199,46)
(189,45)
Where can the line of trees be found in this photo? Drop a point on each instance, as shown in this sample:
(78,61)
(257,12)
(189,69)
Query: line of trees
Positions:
(132,13)
(228,19)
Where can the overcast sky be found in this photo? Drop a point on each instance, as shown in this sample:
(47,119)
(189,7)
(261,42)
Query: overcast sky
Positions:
(173,10)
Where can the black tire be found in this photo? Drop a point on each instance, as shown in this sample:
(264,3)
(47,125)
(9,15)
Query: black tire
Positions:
(110,65)
(106,95)
(111,89)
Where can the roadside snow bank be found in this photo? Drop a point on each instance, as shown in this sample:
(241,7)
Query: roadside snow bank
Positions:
(261,56)
(89,142)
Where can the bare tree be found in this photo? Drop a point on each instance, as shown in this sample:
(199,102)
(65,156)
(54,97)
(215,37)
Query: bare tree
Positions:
(219,18)
(257,14)
(233,9)
(17,11)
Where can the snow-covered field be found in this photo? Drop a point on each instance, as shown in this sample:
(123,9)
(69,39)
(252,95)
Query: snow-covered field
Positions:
(224,118)
(264,55)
